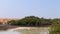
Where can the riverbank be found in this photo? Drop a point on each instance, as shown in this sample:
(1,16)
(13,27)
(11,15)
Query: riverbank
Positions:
(30,28)
(27,30)
(6,27)
(2,28)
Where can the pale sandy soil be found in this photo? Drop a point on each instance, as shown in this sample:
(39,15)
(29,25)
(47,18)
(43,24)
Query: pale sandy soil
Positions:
(18,28)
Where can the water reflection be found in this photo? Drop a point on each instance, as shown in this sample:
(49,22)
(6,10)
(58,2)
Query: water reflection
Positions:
(33,31)
(43,32)
(9,32)
(26,31)
(15,32)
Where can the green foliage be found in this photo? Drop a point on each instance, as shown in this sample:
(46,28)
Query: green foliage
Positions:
(31,21)
(12,22)
(55,28)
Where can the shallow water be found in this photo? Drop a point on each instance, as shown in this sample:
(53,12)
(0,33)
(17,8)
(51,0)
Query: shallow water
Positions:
(15,32)
(43,32)
(26,31)
(9,32)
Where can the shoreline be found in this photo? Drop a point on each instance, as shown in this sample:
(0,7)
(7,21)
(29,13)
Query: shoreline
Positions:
(28,28)
(4,28)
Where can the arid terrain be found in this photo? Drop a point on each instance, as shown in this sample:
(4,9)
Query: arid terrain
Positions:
(5,20)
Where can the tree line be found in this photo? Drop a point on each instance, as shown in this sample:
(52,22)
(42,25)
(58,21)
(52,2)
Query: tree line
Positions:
(31,21)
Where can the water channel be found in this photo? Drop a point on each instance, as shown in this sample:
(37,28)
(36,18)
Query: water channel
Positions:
(27,31)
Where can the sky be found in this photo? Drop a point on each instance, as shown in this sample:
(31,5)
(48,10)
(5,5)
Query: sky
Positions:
(22,8)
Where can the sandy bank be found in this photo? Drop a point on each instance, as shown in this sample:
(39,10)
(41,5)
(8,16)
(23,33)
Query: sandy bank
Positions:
(18,28)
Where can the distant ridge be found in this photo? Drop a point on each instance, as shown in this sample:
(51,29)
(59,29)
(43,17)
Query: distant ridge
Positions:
(5,20)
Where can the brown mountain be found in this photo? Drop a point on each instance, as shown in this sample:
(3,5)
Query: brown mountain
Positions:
(5,20)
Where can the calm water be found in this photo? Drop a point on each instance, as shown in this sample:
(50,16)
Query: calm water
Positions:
(27,31)
(15,32)
(9,32)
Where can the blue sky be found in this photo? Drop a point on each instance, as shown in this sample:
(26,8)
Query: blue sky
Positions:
(22,8)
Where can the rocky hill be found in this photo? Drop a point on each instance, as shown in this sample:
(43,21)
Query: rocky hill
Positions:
(5,20)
